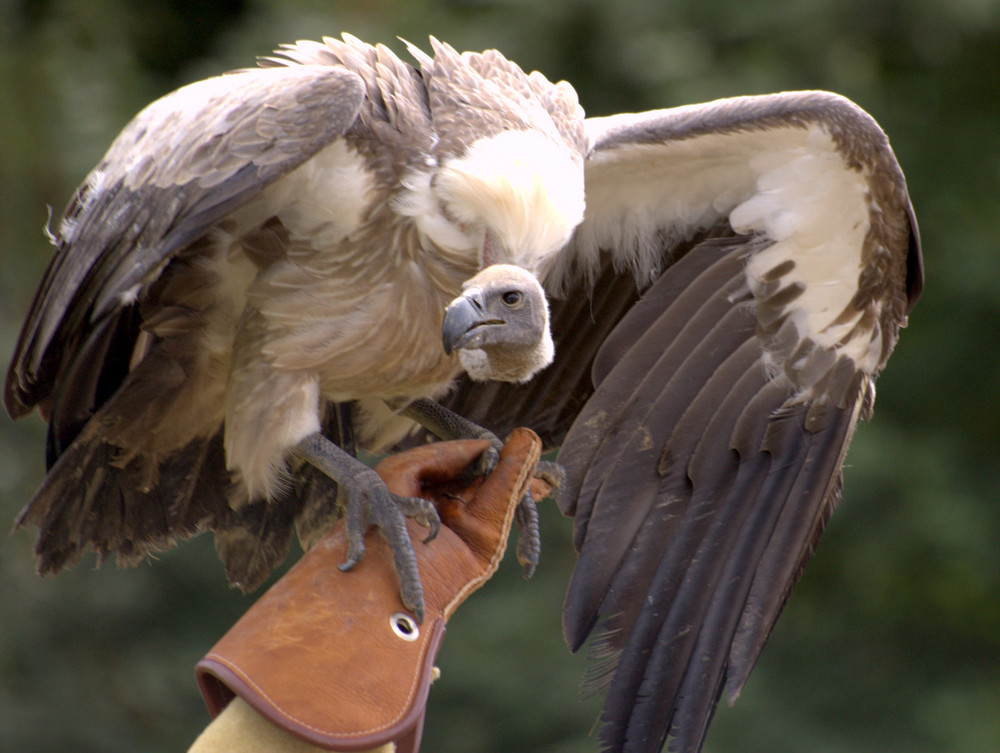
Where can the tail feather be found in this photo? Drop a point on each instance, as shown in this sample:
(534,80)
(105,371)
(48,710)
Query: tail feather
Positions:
(98,498)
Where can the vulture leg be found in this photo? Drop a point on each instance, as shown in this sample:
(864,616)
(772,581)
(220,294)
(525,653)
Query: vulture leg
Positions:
(446,424)
(371,503)
(529,540)
(529,534)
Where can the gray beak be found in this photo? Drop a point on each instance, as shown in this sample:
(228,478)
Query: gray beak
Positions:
(462,319)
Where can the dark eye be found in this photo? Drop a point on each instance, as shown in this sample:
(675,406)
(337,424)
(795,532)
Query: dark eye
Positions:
(513,298)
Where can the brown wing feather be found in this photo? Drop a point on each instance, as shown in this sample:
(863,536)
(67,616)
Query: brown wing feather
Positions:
(705,459)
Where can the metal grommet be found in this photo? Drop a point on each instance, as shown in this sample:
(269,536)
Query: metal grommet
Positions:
(404,626)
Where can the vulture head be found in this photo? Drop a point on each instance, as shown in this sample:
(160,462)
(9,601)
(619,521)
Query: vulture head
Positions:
(500,325)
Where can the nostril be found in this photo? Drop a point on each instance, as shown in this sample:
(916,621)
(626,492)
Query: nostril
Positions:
(476,299)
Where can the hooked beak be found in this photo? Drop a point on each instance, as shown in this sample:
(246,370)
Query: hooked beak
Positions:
(463,319)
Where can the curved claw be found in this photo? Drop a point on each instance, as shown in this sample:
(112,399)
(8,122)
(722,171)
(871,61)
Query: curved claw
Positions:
(373,504)
(551,477)
(491,455)
(422,511)
(369,502)
(356,523)
(552,474)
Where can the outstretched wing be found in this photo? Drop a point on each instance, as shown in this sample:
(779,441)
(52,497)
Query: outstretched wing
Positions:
(703,425)
(181,167)
(185,162)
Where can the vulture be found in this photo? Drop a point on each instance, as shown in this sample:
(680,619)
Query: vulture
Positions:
(274,268)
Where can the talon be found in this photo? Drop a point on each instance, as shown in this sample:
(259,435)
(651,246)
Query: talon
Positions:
(369,502)
(386,511)
(355,553)
(490,457)
(414,602)
(552,474)
(434,528)
(358,519)
(422,511)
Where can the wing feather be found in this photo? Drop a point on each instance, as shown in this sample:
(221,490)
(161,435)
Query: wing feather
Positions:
(181,165)
(775,257)
(693,304)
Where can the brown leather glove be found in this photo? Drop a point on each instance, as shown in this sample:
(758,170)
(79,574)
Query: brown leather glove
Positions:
(333,657)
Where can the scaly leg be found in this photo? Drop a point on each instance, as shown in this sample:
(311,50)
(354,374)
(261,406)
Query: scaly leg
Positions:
(447,425)
(371,503)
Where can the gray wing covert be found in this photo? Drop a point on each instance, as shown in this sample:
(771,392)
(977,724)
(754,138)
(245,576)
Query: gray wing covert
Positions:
(183,164)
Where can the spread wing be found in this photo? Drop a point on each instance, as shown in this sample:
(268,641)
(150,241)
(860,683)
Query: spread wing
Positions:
(184,163)
(739,279)
(181,167)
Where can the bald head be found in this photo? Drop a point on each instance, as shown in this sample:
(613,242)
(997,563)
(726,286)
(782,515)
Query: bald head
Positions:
(500,325)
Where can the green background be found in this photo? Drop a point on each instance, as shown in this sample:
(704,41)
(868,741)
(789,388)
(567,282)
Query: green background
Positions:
(892,640)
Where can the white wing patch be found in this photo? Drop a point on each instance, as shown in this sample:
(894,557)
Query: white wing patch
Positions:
(816,212)
(789,183)
(641,196)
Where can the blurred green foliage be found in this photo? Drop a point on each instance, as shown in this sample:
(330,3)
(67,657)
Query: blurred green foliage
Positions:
(891,642)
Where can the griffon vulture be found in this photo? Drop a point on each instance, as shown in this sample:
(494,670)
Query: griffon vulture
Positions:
(261,270)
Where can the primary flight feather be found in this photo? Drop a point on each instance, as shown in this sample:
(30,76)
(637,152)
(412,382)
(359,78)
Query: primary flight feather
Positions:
(273,267)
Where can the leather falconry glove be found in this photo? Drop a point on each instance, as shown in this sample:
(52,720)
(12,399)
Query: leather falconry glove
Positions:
(333,658)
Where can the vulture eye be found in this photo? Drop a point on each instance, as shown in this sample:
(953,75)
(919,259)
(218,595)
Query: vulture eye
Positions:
(513,299)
